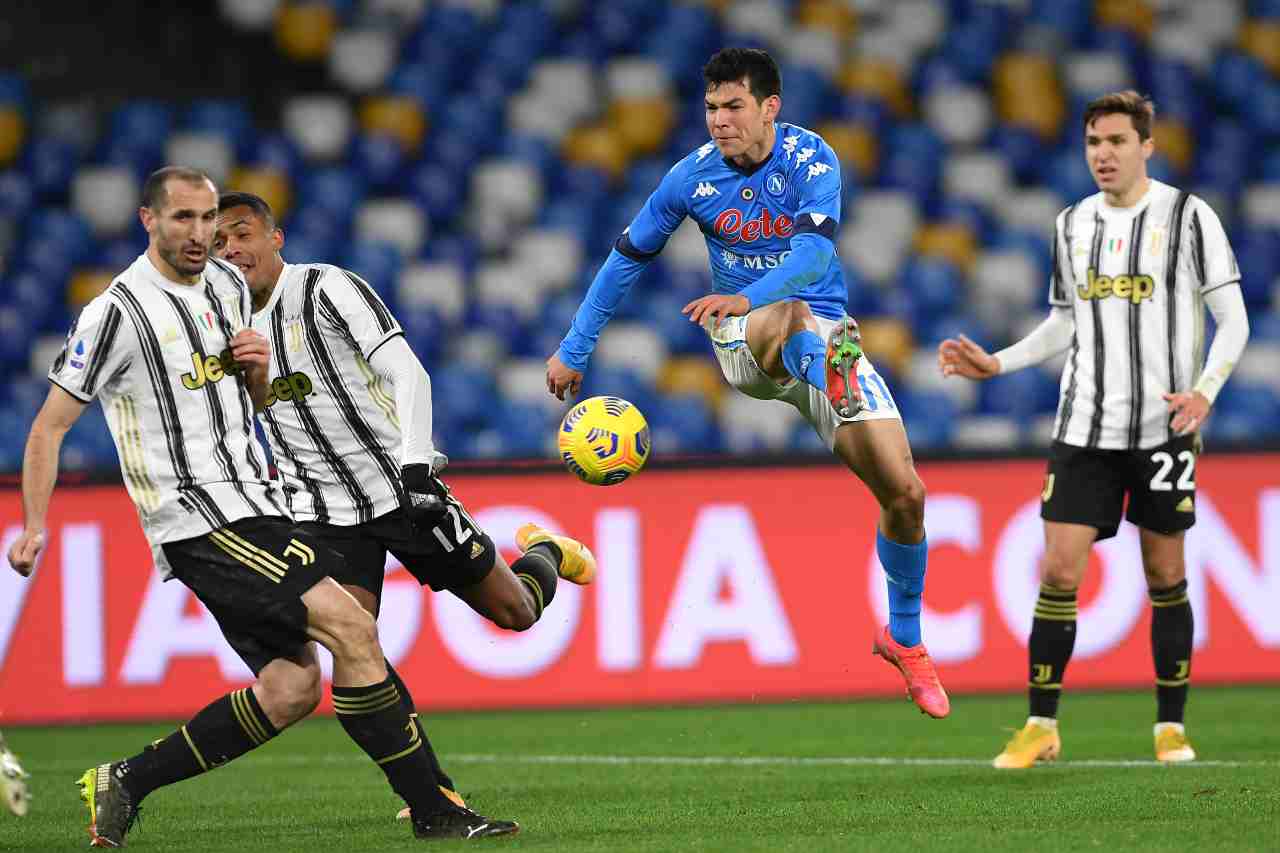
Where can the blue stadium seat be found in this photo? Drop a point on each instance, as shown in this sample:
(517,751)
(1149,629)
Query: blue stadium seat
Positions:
(17,195)
(377,263)
(50,163)
(334,190)
(227,118)
(683,423)
(379,159)
(1021,395)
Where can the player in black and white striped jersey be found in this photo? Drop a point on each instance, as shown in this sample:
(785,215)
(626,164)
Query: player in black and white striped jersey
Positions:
(167,351)
(349,423)
(1134,267)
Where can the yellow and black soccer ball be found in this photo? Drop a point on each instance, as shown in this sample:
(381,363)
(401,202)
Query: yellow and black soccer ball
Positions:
(604,440)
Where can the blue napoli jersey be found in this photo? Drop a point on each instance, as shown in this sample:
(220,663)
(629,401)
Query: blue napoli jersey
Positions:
(748,217)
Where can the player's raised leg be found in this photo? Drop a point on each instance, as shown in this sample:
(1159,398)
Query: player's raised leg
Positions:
(878,452)
(1172,630)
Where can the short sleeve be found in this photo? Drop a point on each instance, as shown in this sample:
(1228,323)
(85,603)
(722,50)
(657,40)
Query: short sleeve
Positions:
(99,345)
(349,305)
(1059,271)
(1213,263)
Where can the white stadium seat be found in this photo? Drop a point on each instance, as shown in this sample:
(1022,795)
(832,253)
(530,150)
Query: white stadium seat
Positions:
(399,222)
(209,152)
(107,197)
(320,125)
(438,286)
(360,60)
(635,346)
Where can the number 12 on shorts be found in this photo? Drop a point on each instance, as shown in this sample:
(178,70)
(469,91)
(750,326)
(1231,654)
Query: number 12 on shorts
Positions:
(875,394)
(461,533)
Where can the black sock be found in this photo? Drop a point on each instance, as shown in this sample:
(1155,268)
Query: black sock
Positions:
(539,570)
(1172,631)
(226,729)
(442,778)
(375,718)
(1053,637)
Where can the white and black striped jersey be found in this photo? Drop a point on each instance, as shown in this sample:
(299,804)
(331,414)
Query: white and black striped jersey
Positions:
(156,354)
(1135,279)
(330,418)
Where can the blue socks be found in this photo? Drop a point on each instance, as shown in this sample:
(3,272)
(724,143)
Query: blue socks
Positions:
(904,570)
(803,355)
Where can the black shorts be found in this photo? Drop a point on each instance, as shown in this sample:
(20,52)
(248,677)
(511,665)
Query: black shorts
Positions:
(454,554)
(1084,486)
(251,575)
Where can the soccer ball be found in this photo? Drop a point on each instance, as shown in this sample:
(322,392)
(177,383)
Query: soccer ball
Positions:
(604,440)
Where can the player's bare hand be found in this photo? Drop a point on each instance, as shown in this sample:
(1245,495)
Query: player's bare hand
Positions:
(250,349)
(717,305)
(25,550)
(965,358)
(1188,409)
(561,378)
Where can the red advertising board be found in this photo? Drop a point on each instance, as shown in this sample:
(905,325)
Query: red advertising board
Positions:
(715,584)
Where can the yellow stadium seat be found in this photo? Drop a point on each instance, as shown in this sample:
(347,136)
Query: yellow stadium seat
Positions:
(855,145)
(889,341)
(1028,93)
(1261,39)
(599,146)
(85,284)
(12,131)
(692,374)
(642,124)
(1175,141)
(1132,15)
(270,184)
(880,79)
(398,117)
(834,15)
(304,31)
(949,241)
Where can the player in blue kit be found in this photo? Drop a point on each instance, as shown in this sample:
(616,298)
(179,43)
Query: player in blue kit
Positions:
(767,196)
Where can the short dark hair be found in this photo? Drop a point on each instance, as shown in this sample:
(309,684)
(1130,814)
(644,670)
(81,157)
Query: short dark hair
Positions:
(1140,109)
(256,203)
(736,63)
(154,189)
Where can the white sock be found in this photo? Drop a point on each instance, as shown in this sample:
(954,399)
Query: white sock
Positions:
(1163,727)
(1044,722)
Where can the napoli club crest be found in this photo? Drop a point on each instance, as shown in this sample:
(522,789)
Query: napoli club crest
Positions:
(775,184)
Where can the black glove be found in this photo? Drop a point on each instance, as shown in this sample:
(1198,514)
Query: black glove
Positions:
(425,494)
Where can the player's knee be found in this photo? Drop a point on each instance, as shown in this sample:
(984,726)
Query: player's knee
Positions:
(1059,569)
(356,632)
(288,697)
(514,615)
(1164,575)
(797,318)
(906,508)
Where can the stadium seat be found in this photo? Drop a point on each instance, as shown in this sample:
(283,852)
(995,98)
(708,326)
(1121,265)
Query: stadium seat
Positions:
(305,31)
(398,222)
(319,125)
(107,198)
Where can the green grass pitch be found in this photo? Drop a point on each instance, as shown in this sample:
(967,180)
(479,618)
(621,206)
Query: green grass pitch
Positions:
(867,775)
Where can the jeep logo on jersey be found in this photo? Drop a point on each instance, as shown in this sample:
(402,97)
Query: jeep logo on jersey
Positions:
(731,226)
(295,386)
(209,368)
(1135,288)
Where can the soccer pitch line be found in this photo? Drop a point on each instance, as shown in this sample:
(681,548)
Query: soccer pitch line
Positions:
(62,765)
